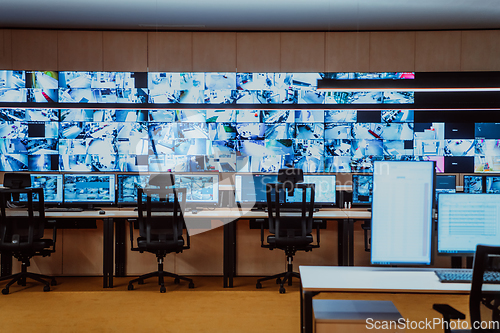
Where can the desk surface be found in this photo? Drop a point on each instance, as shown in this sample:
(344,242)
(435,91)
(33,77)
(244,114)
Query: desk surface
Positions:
(379,279)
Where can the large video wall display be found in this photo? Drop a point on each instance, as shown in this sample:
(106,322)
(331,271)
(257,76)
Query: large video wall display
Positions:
(232,140)
(190,88)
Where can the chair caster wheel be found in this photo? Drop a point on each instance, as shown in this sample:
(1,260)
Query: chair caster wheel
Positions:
(46,288)
(258,285)
(282,290)
(53,282)
(5,291)
(278,281)
(191,285)
(130,287)
(163,289)
(140,282)
(177,280)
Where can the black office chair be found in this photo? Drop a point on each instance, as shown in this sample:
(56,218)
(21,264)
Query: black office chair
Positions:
(22,236)
(160,234)
(289,233)
(484,307)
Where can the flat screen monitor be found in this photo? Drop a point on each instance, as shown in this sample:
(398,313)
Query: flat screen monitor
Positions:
(52,185)
(127,187)
(362,188)
(473,184)
(250,189)
(88,189)
(492,184)
(445,184)
(466,220)
(403,195)
(202,188)
(325,191)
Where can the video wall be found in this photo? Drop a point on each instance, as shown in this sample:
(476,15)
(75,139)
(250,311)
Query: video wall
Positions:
(145,138)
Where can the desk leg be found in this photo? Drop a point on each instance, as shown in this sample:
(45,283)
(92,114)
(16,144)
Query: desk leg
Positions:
(107,260)
(120,248)
(229,254)
(307,310)
(343,242)
(6,265)
(350,241)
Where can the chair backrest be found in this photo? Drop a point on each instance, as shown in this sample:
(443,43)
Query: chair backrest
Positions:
(484,306)
(160,213)
(29,224)
(298,226)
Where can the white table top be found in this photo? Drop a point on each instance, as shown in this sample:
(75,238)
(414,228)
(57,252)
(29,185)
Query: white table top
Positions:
(379,279)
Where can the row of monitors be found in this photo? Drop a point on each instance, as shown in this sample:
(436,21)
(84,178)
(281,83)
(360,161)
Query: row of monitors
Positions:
(362,186)
(110,189)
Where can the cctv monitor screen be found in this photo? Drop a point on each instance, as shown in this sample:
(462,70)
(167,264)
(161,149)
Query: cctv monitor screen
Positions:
(201,189)
(52,186)
(445,184)
(466,220)
(473,184)
(492,184)
(89,188)
(324,188)
(250,189)
(403,195)
(127,187)
(362,187)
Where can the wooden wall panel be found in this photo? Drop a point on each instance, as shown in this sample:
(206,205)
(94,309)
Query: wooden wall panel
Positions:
(437,51)
(214,51)
(5,49)
(205,257)
(82,251)
(258,51)
(347,52)
(34,50)
(79,50)
(125,51)
(170,51)
(392,51)
(481,50)
(302,52)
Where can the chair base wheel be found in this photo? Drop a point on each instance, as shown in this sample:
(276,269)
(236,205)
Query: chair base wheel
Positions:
(46,288)
(258,285)
(278,281)
(163,289)
(53,282)
(191,285)
(177,280)
(282,290)
(130,287)
(5,291)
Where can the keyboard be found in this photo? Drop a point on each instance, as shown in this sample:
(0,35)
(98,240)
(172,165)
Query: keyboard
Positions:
(63,209)
(465,276)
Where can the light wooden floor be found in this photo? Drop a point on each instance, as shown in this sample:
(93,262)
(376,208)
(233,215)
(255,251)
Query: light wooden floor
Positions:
(81,305)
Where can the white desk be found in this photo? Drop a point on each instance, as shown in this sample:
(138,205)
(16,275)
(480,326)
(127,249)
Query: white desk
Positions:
(317,279)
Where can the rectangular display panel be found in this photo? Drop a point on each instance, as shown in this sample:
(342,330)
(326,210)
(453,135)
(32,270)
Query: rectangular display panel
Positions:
(52,185)
(403,194)
(362,188)
(466,220)
(201,189)
(89,188)
(445,184)
(473,184)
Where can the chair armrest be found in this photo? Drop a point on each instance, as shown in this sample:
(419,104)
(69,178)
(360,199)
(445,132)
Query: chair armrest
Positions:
(448,313)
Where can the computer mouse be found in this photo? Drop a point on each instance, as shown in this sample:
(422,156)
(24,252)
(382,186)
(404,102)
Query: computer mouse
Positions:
(194,211)
(102,212)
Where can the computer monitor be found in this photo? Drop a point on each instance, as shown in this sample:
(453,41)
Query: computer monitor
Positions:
(250,189)
(445,184)
(52,185)
(362,188)
(127,188)
(324,188)
(89,189)
(403,195)
(473,184)
(466,220)
(202,188)
(492,184)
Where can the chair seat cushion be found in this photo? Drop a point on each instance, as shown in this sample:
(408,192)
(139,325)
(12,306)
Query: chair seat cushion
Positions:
(156,244)
(37,245)
(298,241)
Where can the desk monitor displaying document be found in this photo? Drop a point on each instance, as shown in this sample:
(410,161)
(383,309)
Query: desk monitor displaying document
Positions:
(87,189)
(250,189)
(202,189)
(466,220)
(403,193)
